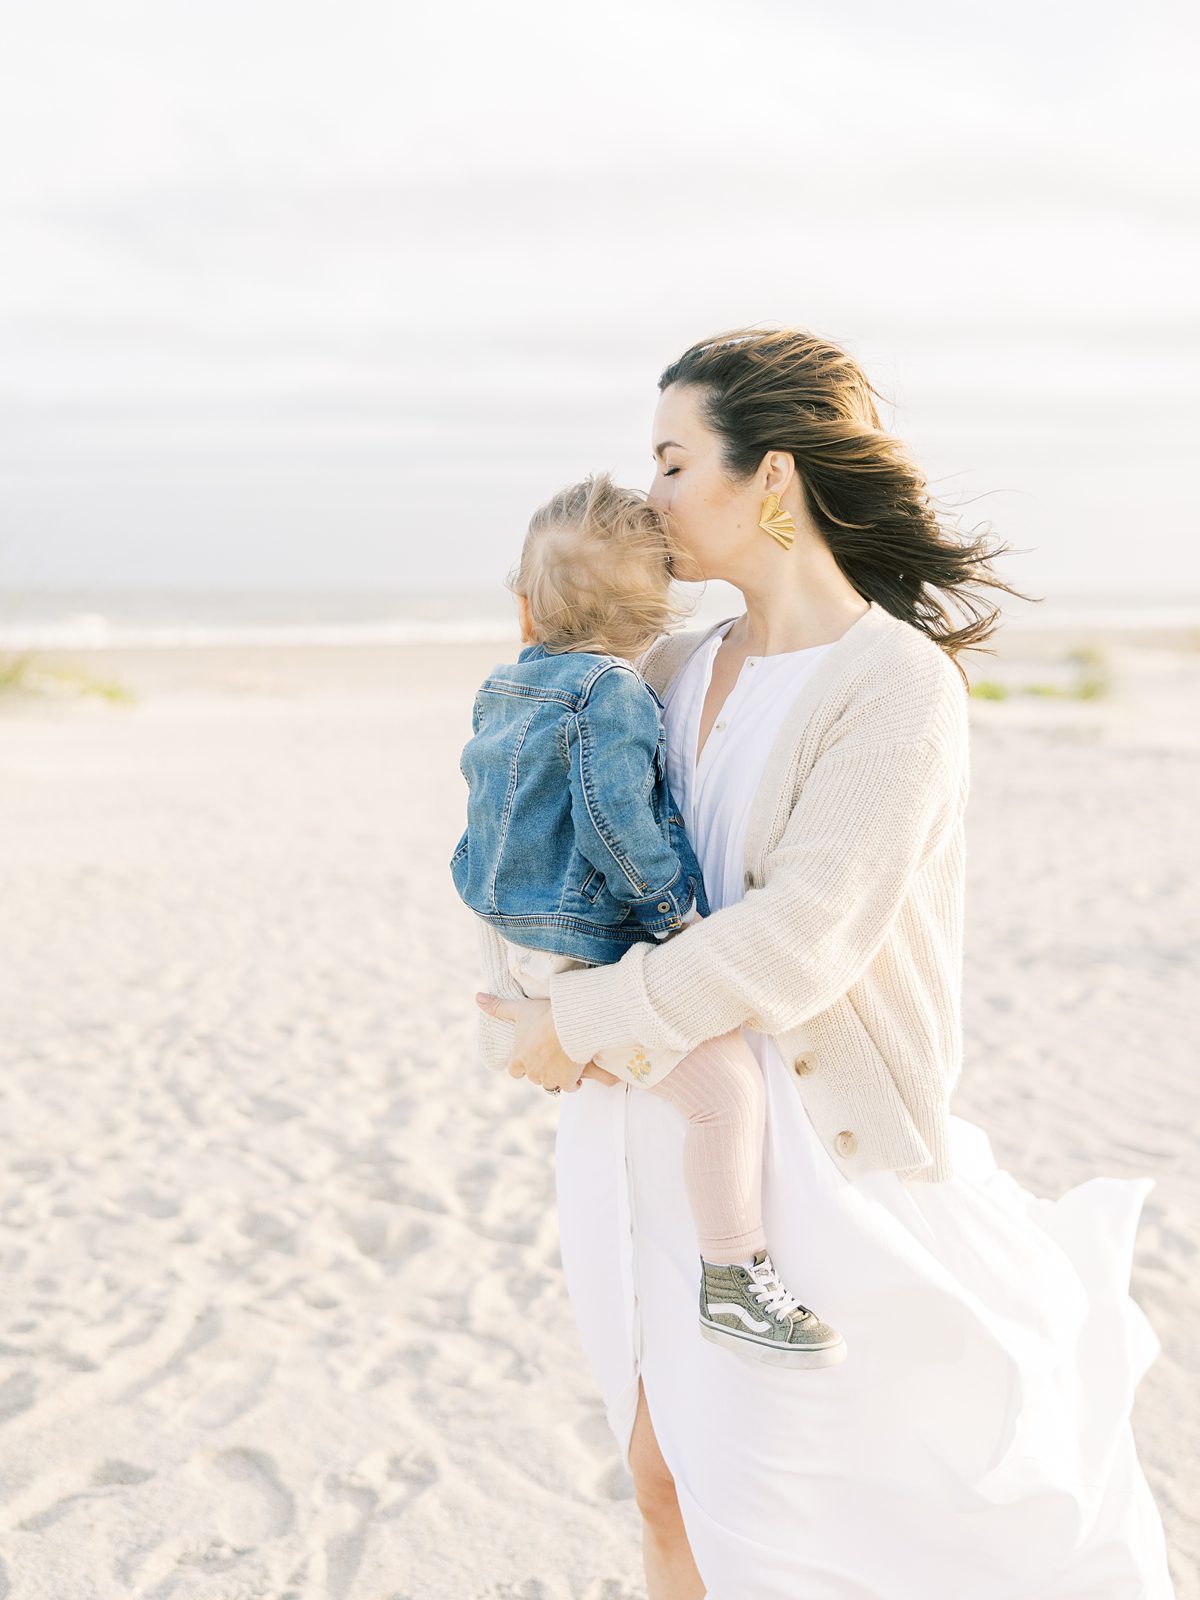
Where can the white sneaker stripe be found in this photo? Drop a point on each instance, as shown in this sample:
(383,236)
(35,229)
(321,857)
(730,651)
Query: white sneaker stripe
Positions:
(740,1311)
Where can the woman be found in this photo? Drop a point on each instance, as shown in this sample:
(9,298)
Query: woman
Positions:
(976,1440)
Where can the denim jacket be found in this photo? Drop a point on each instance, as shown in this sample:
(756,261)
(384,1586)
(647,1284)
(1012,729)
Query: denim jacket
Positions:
(573,841)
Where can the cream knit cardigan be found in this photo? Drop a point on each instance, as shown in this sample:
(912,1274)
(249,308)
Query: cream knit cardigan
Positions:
(847,944)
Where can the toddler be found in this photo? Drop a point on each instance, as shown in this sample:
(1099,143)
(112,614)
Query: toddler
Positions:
(574,850)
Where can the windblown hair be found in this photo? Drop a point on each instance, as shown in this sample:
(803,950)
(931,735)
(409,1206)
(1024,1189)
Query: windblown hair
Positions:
(787,389)
(596,569)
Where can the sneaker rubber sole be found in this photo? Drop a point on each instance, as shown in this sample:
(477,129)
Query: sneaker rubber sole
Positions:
(775,1355)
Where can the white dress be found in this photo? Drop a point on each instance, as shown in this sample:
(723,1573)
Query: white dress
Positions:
(976,1442)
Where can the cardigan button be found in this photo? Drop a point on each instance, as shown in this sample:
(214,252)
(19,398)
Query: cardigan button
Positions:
(801,1066)
(846,1143)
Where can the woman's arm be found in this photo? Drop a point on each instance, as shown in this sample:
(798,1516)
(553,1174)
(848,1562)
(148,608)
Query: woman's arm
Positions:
(867,818)
(497,1031)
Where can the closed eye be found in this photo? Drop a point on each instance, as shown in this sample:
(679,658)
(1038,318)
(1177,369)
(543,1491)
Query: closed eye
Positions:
(670,472)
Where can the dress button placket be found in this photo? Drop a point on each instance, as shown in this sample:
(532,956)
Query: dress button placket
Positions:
(637,1313)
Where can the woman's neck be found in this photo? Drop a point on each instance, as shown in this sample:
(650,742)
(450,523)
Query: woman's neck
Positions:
(817,609)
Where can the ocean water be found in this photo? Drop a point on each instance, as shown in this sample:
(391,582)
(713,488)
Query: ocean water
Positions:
(98,619)
(76,619)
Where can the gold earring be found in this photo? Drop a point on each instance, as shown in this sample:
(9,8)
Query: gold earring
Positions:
(777,523)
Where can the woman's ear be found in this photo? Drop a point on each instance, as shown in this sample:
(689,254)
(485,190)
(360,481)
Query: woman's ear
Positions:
(780,468)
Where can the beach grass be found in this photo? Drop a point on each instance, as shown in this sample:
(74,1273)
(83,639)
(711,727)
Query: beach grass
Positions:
(1092,680)
(27,675)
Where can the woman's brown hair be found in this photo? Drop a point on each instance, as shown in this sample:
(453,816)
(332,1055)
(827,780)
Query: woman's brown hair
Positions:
(787,389)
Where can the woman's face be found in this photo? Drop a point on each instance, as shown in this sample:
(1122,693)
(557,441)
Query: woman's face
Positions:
(714,517)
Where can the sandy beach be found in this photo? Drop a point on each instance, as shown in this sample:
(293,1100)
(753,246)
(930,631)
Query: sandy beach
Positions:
(283,1309)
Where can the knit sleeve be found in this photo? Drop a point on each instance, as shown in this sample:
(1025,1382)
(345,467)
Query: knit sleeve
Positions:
(493,1035)
(867,818)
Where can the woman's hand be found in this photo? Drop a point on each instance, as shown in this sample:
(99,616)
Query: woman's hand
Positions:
(536,1053)
(604,1075)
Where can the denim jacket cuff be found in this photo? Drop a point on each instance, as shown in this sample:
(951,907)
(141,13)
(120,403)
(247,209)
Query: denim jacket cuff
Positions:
(664,910)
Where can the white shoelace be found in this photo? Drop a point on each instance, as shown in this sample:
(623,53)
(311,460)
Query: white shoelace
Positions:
(770,1292)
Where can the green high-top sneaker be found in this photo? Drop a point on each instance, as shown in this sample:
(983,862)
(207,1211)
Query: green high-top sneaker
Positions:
(749,1310)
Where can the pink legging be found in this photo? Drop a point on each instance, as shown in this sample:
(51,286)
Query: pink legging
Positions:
(719,1089)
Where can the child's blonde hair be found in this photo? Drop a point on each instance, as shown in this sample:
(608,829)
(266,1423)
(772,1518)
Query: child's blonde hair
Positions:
(596,570)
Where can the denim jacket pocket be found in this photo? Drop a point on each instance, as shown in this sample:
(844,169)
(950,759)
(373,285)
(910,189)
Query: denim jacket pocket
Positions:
(592,884)
(586,893)
(660,755)
(656,783)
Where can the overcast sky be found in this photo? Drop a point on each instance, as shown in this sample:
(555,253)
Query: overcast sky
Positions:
(335,295)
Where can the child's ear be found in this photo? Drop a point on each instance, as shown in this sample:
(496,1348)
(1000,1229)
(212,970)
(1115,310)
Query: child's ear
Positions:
(526,620)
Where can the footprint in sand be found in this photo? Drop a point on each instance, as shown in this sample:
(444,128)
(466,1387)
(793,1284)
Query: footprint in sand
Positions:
(414,1472)
(253,1505)
(120,1472)
(231,1392)
(151,1203)
(614,1483)
(17,1394)
(1176,1241)
(106,1479)
(344,1551)
(475,1184)
(610,1481)
(388,1238)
